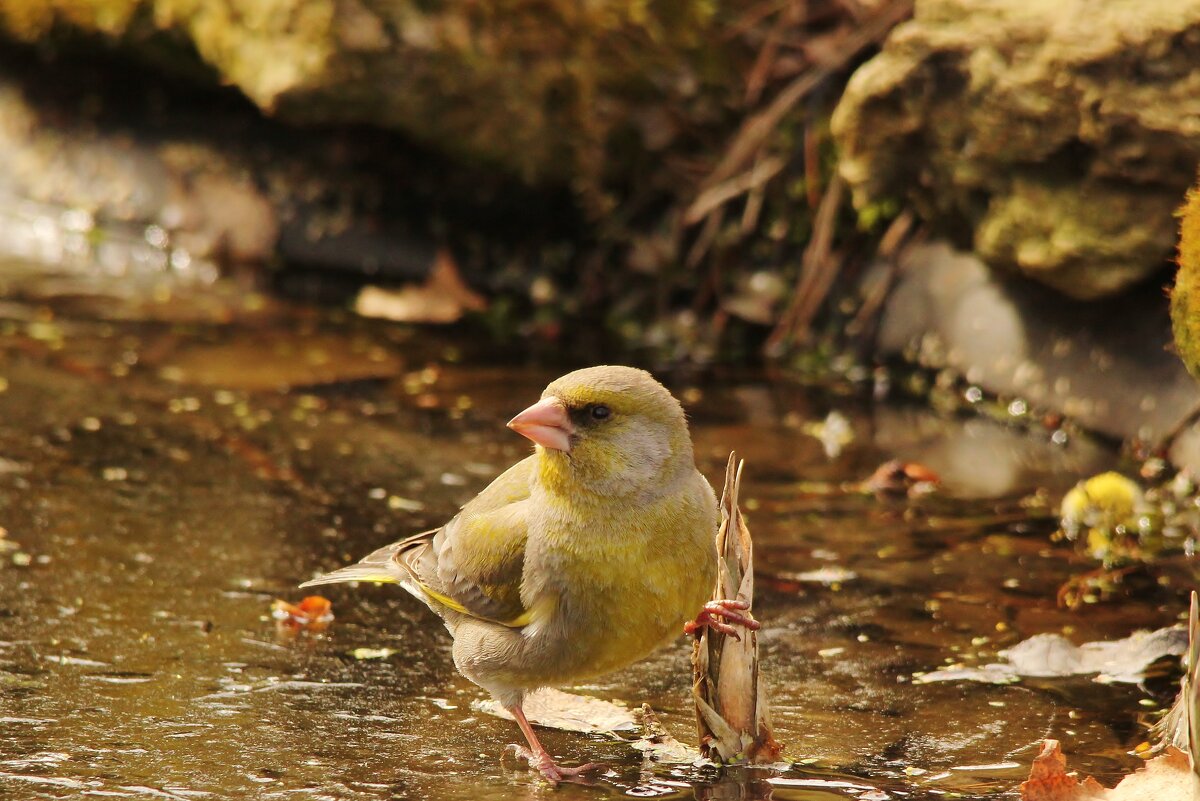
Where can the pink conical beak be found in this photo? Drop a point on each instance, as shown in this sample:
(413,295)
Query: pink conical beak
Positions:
(546,423)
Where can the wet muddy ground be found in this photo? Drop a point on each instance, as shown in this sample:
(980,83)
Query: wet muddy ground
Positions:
(161,483)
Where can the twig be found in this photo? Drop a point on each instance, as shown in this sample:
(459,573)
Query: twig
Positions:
(812,167)
(722,193)
(756,81)
(817,271)
(758,127)
(704,241)
(865,324)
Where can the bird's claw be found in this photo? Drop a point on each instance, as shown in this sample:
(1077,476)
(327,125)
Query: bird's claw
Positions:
(719,616)
(545,764)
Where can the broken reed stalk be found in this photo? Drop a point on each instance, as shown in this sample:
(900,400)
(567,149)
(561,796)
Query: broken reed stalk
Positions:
(732,715)
(1180,727)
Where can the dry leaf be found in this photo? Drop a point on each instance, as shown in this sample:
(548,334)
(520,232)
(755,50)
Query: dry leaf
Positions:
(1054,656)
(897,477)
(313,614)
(659,744)
(443,298)
(555,709)
(1165,778)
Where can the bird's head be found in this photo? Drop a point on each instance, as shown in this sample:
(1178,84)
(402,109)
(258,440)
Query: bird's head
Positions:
(609,430)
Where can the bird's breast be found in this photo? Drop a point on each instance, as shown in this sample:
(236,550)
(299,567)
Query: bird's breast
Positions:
(624,580)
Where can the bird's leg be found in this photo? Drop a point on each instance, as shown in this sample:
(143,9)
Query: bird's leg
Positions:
(719,615)
(538,757)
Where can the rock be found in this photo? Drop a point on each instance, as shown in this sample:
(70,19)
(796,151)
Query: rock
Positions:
(539,88)
(109,199)
(200,199)
(1059,136)
(1102,364)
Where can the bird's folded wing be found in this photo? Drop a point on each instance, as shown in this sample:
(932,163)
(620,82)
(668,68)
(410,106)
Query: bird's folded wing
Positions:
(379,566)
(472,565)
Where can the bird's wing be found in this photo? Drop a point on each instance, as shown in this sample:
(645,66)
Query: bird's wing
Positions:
(472,565)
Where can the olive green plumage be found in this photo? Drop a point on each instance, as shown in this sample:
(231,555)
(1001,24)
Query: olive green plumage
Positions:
(575,561)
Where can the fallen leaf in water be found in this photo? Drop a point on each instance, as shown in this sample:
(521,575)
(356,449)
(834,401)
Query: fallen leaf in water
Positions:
(833,574)
(443,298)
(660,745)
(372,653)
(1054,656)
(1049,781)
(555,709)
(897,477)
(1165,778)
(313,614)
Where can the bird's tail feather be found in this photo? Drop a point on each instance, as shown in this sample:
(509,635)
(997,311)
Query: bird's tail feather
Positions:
(378,567)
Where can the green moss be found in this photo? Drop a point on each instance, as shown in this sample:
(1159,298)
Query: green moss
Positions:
(1185,297)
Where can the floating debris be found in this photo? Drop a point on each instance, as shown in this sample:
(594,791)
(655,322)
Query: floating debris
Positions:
(313,614)
(555,709)
(443,298)
(372,653)
(1165,778)
(1054,656)
(897,477)
(834,432)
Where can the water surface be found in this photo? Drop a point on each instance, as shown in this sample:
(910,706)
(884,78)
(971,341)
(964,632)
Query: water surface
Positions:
(161,483)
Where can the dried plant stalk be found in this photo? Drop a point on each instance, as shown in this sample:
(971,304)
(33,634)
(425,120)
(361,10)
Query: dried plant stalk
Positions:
(1180,727)
(731,705)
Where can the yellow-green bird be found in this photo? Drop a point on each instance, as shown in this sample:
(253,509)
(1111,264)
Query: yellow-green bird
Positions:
(578,560)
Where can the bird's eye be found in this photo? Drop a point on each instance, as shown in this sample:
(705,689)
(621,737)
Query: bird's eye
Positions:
(601,412)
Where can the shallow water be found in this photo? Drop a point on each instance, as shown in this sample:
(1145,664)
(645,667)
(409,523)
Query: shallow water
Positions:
(158,492)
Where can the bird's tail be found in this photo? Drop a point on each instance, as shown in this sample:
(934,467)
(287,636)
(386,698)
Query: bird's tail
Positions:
(379,566)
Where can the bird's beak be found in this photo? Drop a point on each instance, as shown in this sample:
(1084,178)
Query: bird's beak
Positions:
(546,423)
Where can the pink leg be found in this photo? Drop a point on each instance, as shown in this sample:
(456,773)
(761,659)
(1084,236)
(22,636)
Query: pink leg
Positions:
(718,615)
(538,757)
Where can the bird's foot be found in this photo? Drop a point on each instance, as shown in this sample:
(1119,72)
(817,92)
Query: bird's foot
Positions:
(720,616)
(550,770)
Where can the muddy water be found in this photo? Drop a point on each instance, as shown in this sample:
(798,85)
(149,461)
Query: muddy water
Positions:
(162,483)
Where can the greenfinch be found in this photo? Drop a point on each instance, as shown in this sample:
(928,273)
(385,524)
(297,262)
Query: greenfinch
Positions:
(578,560)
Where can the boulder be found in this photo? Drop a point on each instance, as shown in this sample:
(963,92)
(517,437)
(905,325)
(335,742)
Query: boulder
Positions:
(548,91)
(1102,364)
(1060,137)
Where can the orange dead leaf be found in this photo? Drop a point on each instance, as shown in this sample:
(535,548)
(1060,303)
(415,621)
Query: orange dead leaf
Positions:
(314,614)
(1167,777)
(898,477)
(1049,780)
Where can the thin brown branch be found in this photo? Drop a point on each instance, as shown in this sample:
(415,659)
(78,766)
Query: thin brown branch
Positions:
(722,193)
(756,129)
(818,267)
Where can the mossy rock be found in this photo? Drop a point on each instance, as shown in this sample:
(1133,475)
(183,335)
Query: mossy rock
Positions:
(1053,138)
(553,91)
